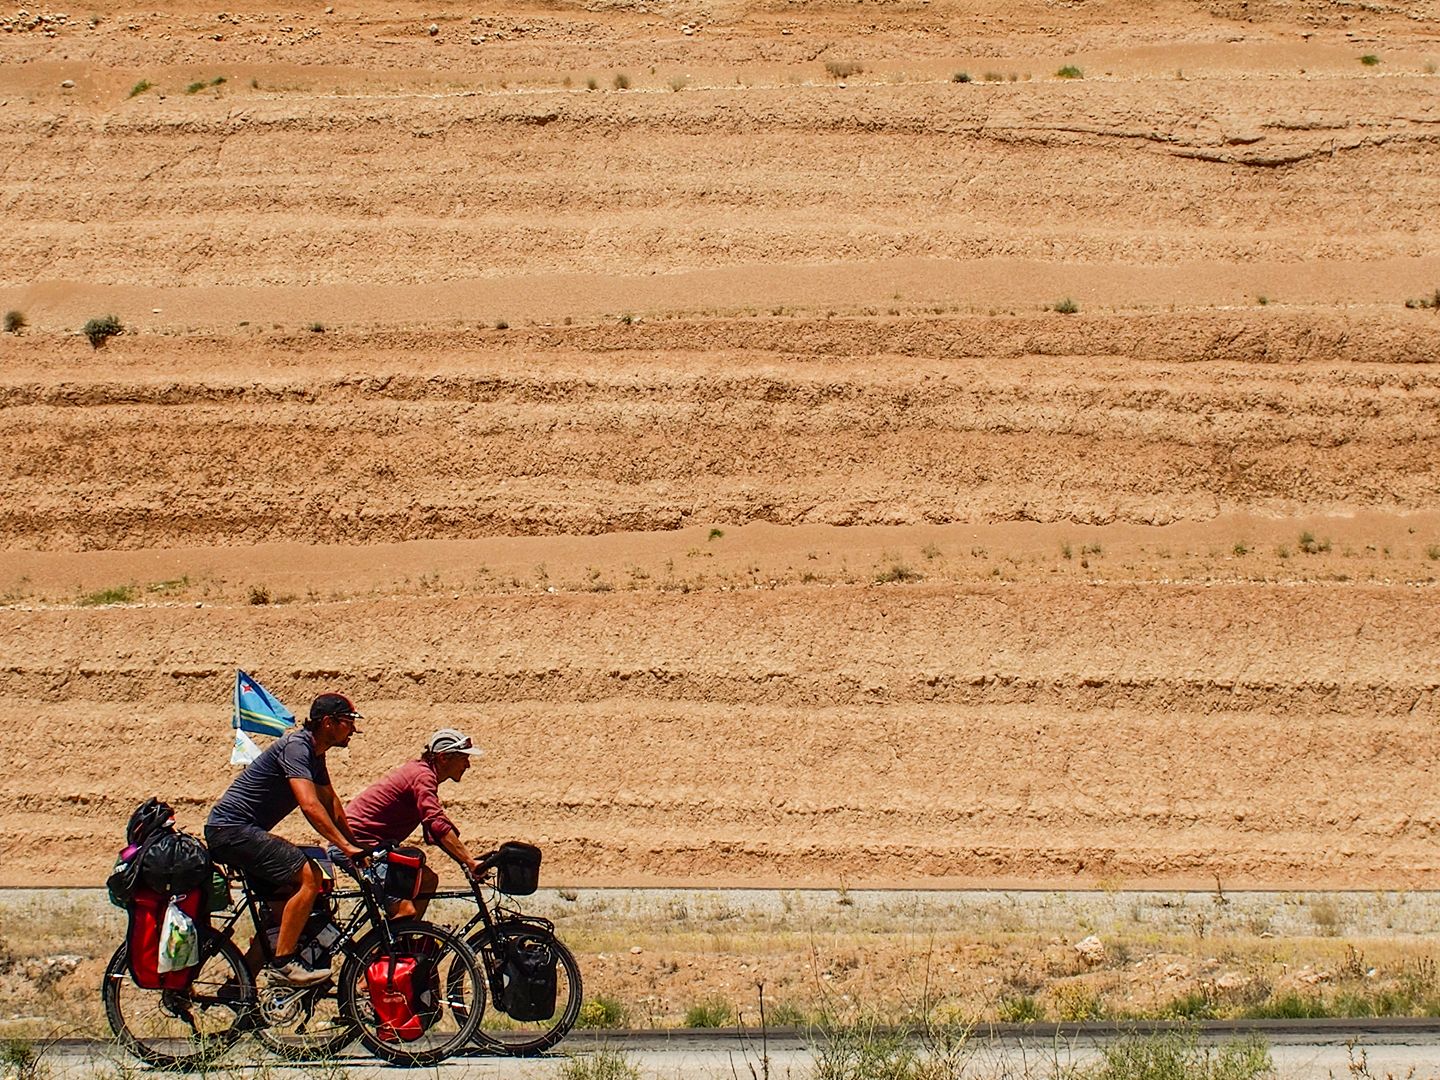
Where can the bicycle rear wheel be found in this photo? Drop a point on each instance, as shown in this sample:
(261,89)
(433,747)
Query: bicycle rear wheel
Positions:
(180,1028)
(446,980)
(501,1033)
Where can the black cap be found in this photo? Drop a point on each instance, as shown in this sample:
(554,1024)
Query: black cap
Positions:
(333,705)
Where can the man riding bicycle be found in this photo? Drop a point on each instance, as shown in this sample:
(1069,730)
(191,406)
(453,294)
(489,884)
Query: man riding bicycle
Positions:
(389,810)
(291,772)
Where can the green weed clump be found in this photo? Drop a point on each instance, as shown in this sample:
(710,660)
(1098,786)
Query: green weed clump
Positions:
(140,87)
(15,321)
(622,81)
(116,594)
(843,69)
(100,330)
(602,1011)
(1179,1056)
(960,77)
(1024,1009)
(1067,306)
(1069,71)
(1369,59)
(864,1049)
(897,573)
(604,1064)
(710,1013)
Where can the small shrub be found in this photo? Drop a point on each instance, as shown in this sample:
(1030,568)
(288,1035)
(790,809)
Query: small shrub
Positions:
(20,1060)
(1369,59)
(1067,306)
(1196,1005)
(316,328)
(622,81)
(140,87)
(716,534)
(15,322)
(897,572)
(259,595)
(994,76)
(1240,548)
(843,69)
(864,1050)
(592,83)
(116,594)
(785,1014)
(710,1013)
(1069,71)
(1024,1009)
(1179,1056)
(1310,546)
(678,83)
(1433,552)
(602,1012)
(1289,1006)
(960,77)
(627,318)
(1262,300)
(1076,1001)
(501,324)
(100,330)
(603,1064)
(196,87)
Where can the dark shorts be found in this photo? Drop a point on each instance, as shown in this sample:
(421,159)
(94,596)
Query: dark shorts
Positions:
(269,862)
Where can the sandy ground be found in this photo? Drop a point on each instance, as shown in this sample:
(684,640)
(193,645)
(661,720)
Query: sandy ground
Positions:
(673,396)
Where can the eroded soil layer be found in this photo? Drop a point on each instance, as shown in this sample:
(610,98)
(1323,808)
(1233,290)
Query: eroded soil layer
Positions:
(795,462)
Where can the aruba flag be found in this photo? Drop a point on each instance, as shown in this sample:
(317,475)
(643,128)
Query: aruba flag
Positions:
(256,710)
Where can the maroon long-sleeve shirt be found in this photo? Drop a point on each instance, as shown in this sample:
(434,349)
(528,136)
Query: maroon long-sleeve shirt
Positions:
(388,810)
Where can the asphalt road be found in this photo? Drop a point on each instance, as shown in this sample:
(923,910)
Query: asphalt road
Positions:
(1300,1050)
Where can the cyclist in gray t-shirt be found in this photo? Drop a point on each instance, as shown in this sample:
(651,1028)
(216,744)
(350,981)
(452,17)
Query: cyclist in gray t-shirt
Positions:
(290,773)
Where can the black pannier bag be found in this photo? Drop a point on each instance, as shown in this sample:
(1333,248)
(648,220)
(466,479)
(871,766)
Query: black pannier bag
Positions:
(527,978)
(399,873)
(175,862)
(517,868)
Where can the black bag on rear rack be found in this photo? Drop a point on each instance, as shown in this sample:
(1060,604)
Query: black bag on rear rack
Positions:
(175,862)
(527,977)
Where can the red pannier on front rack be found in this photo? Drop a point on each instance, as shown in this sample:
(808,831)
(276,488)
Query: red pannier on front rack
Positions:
(391,983)
(142,938)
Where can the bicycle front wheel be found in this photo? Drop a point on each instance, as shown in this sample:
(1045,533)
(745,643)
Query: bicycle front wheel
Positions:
(180,1028)
(444,983)
(498,1031)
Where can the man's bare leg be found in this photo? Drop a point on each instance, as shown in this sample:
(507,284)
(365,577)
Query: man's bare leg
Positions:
(297,909)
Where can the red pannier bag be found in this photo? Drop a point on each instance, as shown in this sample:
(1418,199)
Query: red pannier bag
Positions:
(142,937)
(391,983)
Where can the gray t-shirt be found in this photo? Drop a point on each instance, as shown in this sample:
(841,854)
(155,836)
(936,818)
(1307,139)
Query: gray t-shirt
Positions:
(261,795)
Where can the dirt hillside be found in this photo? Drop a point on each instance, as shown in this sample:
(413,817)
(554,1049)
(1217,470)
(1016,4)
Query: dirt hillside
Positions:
(882,443)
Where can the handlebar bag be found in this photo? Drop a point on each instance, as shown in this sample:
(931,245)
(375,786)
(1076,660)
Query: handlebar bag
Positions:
(390,982)
(527,978)
(143,937)
(517,868)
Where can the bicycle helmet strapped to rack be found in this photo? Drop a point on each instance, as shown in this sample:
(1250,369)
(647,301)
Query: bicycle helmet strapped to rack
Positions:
(149,817)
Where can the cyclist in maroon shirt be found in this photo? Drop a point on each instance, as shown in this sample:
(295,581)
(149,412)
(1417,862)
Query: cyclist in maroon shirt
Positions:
(389,810)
